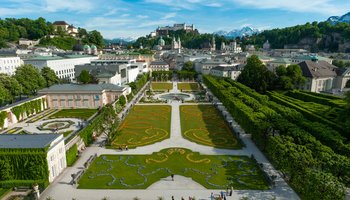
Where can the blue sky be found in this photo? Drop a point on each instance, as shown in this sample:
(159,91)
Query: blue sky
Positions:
(134,18)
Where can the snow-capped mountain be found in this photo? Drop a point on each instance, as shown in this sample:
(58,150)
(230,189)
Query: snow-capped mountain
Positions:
(120,39)
(336,19)
(245,31)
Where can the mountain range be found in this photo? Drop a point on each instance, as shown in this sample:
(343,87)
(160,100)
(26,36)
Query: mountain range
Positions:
(335,19)
(244,31)
(124,40)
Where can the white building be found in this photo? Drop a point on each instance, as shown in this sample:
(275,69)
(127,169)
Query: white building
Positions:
(206,65)
(229,72)
(8,65)
(159,66)
(320,75)
(56,153)
(63,66)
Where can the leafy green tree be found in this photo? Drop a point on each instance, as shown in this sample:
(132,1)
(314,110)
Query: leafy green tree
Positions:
(5,95)
(255,75)
(122,100)
(94,37)
(11,84)
(30,79)
(188,66)
(85,77)
(49,76)
(294,72)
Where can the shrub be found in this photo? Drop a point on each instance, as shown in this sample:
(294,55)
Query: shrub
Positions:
(71,155)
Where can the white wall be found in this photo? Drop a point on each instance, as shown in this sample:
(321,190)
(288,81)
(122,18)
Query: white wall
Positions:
(8,65)
(56,158)
(64,68)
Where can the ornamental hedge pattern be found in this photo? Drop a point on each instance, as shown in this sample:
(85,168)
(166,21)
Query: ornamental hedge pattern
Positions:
(313,169)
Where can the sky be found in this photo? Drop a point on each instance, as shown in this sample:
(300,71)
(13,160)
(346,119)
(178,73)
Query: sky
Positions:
(135,18)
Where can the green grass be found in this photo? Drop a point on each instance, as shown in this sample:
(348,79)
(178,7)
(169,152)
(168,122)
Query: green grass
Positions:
(144,125)
(3,192)
(141,171)
(74,113)
(204,125)
(161,86)
(188,86)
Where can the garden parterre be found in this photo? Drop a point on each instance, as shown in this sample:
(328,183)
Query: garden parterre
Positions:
(144,125)
(140,171)
(203,124)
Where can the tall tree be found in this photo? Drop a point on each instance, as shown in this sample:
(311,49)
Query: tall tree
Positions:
(188,66)
(5,95)
(255,75)
(30,78)
(49,76)
(85,77)
(11,84)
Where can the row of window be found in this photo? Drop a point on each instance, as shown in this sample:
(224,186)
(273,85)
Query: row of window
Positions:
(64,71)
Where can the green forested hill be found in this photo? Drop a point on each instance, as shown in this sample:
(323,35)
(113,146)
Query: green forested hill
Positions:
(12,29)
(319,36)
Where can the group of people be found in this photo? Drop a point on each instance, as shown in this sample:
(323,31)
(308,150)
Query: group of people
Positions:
(223,194)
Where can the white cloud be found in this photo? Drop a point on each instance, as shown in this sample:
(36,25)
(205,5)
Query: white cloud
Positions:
(326,7)
(5,12)
(214,4)
(102,23)
(142,16)
(71,5)
(156,23)
(125,15)
(111,11)
(169,15)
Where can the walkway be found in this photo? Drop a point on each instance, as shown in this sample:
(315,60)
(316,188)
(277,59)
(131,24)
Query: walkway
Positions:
(182,186)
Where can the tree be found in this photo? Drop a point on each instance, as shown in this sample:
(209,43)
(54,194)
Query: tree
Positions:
(30,79)
(85,77)
(255,75)
(296,75)
(5,95)
(49,76)
(289,78)
(11,84)
(188,66)
(122,100)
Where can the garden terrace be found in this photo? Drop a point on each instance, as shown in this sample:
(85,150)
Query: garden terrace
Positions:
(309,165)
(144,125)
(188,86)
(74,113)
(140,171)
(204,125)
(161,86)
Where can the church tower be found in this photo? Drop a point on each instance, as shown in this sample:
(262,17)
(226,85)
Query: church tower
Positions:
(213,44)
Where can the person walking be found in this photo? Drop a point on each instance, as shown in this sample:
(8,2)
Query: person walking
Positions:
(172,177)
(211,196)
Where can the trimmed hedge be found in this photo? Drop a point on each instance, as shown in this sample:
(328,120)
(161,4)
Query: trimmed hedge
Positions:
(3,116)
(293,150)
(26,183)
(317,99)
(71,155)
(27,108)
(309,115)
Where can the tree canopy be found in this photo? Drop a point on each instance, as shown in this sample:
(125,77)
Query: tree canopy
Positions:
(288,78)
(49,76)
(30,79)
(12,85)
(85,77)
(255,75)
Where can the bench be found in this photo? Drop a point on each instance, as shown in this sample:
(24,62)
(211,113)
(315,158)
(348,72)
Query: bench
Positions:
(21,188)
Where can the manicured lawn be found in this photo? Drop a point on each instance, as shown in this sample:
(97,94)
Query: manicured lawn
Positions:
(188,86)
(140,171)
(161,86)
(74,113)
(203,124)
(144,125)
